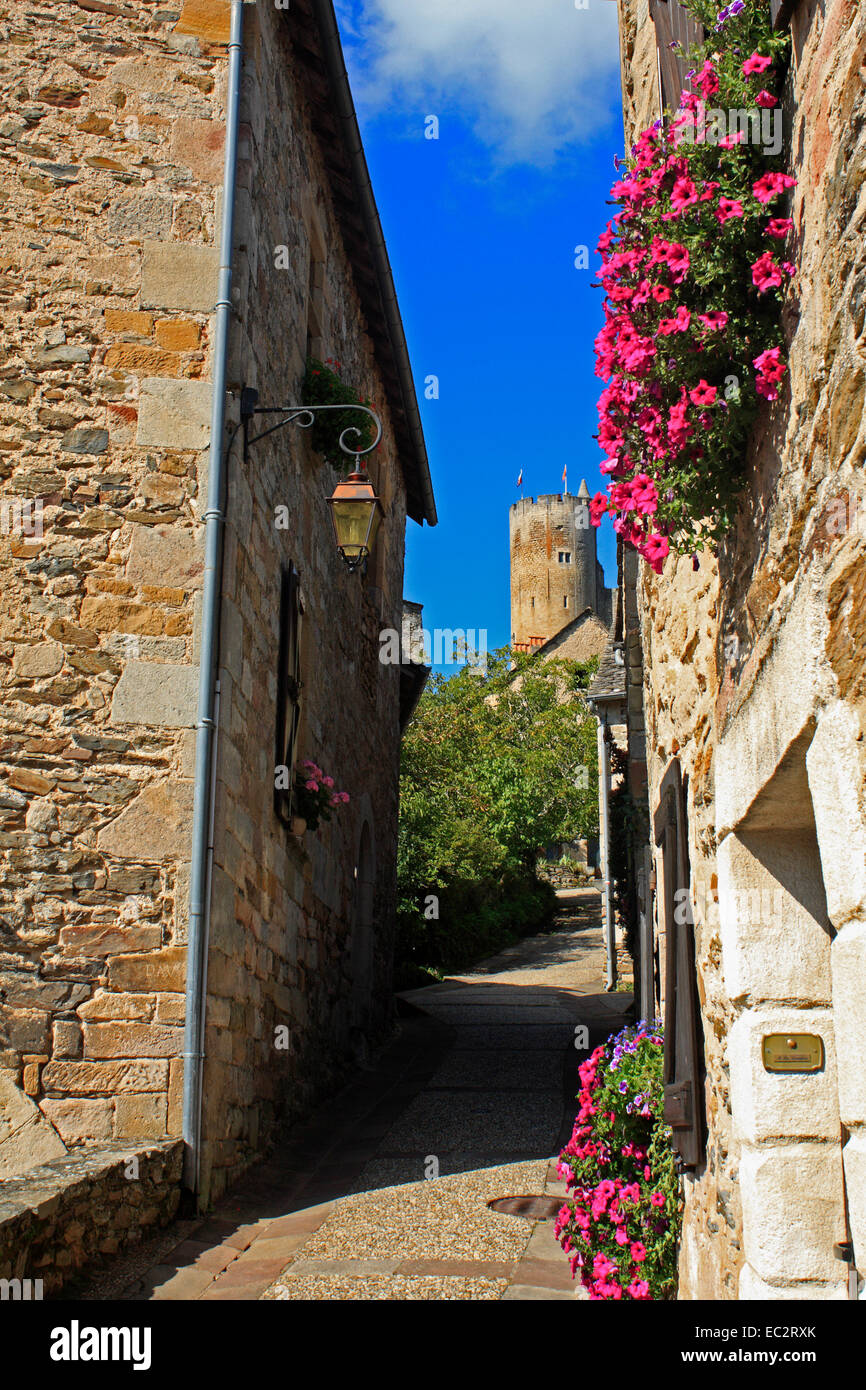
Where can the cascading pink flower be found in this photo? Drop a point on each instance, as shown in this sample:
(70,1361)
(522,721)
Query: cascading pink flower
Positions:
(769,186)
(678,324)
(703,393)
(766,275)
(728,208)
(683,194)
(708,80)
(779,227)
(757,63)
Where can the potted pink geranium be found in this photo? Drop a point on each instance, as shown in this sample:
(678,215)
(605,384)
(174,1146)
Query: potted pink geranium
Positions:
(316,798)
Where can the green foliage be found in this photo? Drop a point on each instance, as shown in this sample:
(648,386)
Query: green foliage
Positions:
(324,386)
(492,771)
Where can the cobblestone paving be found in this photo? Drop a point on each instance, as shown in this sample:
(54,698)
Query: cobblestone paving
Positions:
(383,1195)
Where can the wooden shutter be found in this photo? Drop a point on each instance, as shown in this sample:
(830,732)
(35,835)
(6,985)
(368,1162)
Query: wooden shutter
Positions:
(683,1054)
(288,686)
(674,24)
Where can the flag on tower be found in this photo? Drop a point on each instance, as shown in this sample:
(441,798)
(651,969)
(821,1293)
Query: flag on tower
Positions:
(520,478)
(565,479)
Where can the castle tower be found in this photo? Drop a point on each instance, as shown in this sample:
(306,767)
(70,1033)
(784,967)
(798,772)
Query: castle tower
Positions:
(555,572)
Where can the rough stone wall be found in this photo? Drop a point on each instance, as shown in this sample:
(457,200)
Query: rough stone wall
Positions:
(586,639)
(112,128)
(546,595)
(65,1214)
(754,678)
(286,932)
(111,132)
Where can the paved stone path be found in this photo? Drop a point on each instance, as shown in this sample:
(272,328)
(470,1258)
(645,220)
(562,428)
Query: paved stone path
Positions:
(383,1194)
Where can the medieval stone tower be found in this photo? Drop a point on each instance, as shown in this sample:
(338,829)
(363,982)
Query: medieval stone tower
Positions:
(555,573)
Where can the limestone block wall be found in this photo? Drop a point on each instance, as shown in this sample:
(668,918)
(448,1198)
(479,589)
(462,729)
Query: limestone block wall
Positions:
(111,130)
(755,679)
(289,939)
(112,127)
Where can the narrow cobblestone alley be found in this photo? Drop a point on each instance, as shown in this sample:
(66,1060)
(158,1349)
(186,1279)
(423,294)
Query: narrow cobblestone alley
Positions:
(478,1086)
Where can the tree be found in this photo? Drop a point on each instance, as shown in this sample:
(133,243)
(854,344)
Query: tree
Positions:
(494,767)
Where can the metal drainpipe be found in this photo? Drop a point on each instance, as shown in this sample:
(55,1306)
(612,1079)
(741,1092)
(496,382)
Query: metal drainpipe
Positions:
(199,895)
(609,937)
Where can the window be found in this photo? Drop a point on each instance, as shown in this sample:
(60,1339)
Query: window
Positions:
(565,601)
(674,25)
(288,689)
(532,603)
(565,557)
(683,1055)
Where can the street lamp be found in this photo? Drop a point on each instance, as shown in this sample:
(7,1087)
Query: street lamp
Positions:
(357,514)
(356,511)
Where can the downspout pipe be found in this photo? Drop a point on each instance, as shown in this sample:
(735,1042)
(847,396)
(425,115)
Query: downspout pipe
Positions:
(214,517)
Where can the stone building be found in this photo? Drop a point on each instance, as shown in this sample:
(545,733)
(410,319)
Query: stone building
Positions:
(556,577)
(113,130)
(753,669)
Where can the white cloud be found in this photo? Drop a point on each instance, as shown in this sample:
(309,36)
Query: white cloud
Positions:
(531,76)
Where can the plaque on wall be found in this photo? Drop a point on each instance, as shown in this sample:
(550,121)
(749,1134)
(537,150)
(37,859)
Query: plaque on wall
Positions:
(792,1052)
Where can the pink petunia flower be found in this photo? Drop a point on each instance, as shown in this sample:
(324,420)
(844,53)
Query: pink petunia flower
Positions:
(683,195)
(779,227)
(707,79)
(728,208)
(770,365)
(703,393)
(765,99)
(678,324)
(728,142)
(757,63)
(638,1251)
(715,320)
(766,275)
(770,185)
(678,260)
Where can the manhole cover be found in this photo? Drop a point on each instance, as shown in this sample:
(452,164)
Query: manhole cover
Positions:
(530,1208)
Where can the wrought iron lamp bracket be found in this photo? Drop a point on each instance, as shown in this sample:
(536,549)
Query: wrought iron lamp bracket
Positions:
(304,416)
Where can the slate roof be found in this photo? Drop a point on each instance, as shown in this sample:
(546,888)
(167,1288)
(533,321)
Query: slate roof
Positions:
(609,680)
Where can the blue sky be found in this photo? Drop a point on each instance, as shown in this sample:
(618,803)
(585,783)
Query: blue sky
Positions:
(482,225)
